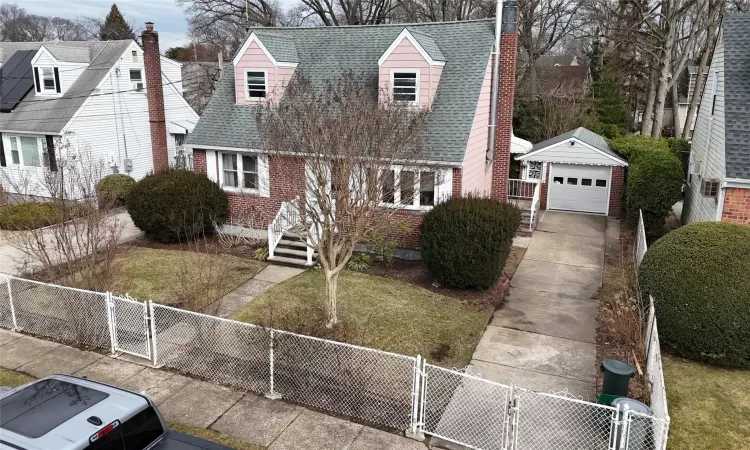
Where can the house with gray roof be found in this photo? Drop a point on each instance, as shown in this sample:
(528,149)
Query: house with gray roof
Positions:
(444,67)
(83,100)
(718,185)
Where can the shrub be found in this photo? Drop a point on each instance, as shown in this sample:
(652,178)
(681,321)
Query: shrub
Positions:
(177,204)
(465,241)
(698,276)
(629,146)
(654,185)
(359,263)
(113,189)
(32,215)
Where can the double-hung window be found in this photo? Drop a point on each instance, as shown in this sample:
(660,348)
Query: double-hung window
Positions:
(405,86)
(47,83)
(256,84)
(239,171)
(136,79)
(408,187)
(28,151)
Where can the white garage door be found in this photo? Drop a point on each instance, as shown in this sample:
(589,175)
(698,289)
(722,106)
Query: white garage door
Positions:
(581,188)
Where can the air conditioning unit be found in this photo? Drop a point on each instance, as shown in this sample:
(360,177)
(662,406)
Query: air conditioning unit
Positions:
(696,168)
(139,87)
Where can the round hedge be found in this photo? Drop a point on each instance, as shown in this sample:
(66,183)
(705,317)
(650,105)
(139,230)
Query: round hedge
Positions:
(113,189)
(465,241)
(176,205)
(654,184)
(699,276)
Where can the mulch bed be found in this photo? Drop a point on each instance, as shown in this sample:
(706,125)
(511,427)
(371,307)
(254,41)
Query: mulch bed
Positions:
(415,272)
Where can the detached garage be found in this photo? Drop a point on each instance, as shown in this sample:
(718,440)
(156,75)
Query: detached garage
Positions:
(578,172)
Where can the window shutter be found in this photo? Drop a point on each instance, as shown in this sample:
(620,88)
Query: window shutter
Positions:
(2,152)
(445,185)
(264,178)
(51,151)
(36,78)
(57,80)
(211,166)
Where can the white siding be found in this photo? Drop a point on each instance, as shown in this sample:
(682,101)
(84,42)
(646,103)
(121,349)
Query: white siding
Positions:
(176,109)
(68,72)
(172,71)
(708,146)
(573,154)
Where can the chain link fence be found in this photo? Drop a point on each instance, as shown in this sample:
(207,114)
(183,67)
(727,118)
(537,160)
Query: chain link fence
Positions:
(130,333)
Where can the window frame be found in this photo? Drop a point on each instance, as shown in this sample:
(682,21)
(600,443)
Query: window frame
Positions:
(416,192)
(134,84)
(240,173)
(247,88)
(42,88)
(41,148)
(416,86)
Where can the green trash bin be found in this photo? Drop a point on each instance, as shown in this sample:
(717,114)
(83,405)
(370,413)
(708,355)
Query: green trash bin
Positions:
(617,375)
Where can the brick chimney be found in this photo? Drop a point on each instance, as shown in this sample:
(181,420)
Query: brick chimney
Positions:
(505,95)
(155,97)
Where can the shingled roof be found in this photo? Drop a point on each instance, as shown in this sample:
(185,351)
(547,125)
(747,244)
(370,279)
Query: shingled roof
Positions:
(737,95)
(325,51)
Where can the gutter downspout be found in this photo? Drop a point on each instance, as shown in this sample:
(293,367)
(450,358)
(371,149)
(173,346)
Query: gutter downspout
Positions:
(495,80)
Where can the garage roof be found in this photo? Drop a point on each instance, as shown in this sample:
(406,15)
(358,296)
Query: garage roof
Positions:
(586,137)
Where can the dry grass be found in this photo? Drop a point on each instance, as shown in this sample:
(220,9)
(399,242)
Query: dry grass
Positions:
(214,436)
(9,378)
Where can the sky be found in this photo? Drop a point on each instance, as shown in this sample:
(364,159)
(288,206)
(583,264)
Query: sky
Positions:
(167,15)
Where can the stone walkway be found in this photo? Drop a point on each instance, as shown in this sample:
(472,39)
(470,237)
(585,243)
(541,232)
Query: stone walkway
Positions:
(270,423)
(544,336)
(248,291)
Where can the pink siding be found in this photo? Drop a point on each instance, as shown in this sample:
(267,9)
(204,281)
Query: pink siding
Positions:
(254,58)
(406,56)
(477,174)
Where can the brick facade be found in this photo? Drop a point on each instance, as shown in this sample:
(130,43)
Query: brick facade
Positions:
(155,98)
(736,206)
(504,127)
(617,183)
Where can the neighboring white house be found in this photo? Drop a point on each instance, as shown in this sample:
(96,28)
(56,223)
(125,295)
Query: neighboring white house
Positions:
(75,99)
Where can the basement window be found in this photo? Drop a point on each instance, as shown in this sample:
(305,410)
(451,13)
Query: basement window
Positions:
(405,86)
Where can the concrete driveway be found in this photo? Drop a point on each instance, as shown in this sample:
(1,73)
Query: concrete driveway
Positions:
(543,337)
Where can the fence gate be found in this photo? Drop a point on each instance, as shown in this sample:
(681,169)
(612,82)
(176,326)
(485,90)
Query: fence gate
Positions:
(130,328)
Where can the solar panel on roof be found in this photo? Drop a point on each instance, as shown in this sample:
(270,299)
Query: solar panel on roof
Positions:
(16,79)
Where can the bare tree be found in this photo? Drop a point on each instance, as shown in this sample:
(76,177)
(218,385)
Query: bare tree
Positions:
(552,112)
(350,136)
(80,244)
(16,25)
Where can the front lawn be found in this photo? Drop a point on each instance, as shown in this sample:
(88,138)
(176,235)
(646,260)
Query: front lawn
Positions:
(382,313)
(708,406)
(174,276)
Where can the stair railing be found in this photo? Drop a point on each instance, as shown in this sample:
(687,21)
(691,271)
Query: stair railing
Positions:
(286,219)
(534,205)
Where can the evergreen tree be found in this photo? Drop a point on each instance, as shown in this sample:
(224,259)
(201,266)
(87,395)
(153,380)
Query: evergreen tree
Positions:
(115,27)
(610,105)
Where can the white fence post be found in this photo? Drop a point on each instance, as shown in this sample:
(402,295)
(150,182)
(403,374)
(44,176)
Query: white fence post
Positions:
(414,431)
(614,431)
(272,394)
(152,323)
(111,321)
(10,300)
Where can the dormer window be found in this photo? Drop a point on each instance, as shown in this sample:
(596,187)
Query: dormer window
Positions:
(405,86)
(47,80)
(256,84)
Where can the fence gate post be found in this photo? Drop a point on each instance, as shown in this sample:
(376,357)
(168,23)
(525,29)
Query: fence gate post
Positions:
(614,431)
(625,428)
(509,417)
(415,430)
(111,319)
(152,323)
(12,309)
(272,394)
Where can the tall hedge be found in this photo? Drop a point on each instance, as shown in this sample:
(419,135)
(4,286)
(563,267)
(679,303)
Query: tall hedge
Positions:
(465,241)
(654,184)
(699,276)
(176,205)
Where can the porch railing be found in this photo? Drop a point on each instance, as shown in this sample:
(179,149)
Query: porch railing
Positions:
(285,220)
(521,189)
(534,205)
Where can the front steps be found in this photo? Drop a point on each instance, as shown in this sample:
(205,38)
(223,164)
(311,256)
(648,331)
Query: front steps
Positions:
(292,252)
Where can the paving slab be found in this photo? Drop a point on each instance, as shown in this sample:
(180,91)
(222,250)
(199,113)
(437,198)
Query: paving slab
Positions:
(257,420)
(537,352)
(585,251)
(277,274)
(159,385)
(8,336)
(572,223)
(62,360)
(536,381)
(612,247)
(22,351)
(521,241)
(199,403)
(549,313)
(253,287)
(574,281)
(372,439)
(316,431)
(111,371)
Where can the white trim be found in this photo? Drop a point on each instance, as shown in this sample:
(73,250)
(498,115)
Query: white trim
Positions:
(414,206)
(720,206)
(741,183)
(406,34)
(247,90)
(43,91)
(41,144)
(261,173)
(250,39)
(211,166)
(416,91)
(527,156)
(609,189)
(552,183)
(39,53)
(287,64)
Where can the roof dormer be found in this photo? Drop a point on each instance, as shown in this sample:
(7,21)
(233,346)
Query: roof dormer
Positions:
(46,73)
(263,67)
(56,67)
(411,67)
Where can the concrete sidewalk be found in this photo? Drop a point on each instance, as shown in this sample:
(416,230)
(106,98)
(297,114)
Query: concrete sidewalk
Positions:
(544,336)
(249,417)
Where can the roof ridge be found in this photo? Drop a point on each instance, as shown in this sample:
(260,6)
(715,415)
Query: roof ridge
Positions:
(382,25)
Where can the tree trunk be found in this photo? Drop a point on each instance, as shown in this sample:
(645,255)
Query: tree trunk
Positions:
(676,111)
(332,281)
(648,111)
(662,83)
